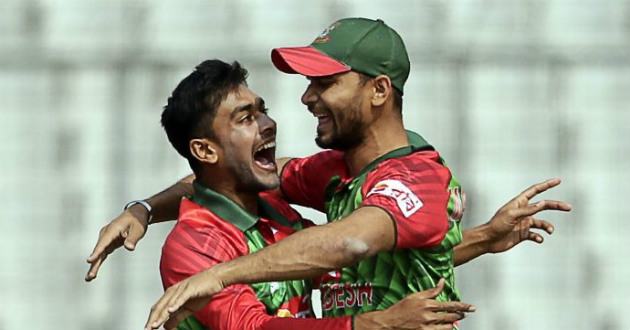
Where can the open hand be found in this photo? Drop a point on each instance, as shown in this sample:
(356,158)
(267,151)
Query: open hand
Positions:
(514,222)
(126,229)
(183,299)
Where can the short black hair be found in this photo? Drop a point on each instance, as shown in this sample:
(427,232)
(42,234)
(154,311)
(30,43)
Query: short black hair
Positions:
(190,111)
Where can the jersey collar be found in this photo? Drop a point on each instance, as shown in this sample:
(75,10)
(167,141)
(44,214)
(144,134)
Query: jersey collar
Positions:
(230,211)
(416,143)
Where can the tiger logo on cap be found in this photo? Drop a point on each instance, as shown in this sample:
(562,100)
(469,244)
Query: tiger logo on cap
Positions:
(324,36)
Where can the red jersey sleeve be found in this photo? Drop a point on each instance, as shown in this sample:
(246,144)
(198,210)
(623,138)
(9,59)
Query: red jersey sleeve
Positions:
(414,191)
(193,246)
(303,180)
(237,307)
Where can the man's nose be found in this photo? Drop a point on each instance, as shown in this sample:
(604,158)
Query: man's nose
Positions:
(267,126)
(309,96)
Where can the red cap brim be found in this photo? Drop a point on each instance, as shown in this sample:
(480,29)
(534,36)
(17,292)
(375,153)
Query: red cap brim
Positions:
(306,61)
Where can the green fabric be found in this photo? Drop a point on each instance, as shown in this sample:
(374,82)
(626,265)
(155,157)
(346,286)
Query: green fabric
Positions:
(230,211)
(392,275)
(367,46)
(223,207)
(191,323)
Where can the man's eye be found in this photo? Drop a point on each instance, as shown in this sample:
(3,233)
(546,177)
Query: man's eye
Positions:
(246,118)
(326,82)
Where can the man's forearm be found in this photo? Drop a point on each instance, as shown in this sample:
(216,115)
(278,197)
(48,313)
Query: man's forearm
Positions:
(473,245)
(313,251)
(165,204)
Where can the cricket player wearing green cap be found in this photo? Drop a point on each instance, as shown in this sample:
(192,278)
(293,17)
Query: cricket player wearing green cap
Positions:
(406,184)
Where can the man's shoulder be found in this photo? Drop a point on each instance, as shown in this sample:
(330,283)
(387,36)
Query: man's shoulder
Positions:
(196,220)
(412,164)
(323,159)
(281,205)
(200,234)
(195,215)
(412,171)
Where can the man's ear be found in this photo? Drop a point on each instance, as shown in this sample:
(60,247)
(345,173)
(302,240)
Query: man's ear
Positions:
(204,150)
(382,90)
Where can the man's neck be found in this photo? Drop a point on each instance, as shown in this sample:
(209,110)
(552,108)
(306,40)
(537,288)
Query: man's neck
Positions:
(376,143)
(249,201)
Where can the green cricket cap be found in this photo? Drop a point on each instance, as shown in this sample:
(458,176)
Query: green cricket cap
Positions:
(350,44)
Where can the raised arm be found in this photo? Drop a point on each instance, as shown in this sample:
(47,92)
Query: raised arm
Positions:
(131,225)
(512,224)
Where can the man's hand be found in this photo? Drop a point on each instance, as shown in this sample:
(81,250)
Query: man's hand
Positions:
(127,229)
(183,299)
(513,223)
(417,311)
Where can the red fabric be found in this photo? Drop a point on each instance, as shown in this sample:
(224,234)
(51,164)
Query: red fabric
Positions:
(304,180)
(306,61)
(200,240)
(424,175)
(341,323)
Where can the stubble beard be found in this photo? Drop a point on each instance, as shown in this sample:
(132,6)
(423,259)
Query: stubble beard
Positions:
(246,179)
(347,138)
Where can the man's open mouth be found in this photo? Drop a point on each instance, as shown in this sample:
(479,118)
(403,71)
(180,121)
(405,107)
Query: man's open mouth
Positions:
(265,156)
(323,120)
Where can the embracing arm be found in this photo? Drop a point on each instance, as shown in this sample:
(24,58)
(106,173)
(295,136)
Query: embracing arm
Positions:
(131,225)
(314,251)
(305,254)
(165,204)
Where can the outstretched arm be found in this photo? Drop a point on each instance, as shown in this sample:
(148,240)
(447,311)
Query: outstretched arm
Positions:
(513,223)
(131,225)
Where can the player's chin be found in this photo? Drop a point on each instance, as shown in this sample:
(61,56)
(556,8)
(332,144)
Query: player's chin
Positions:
(325,133)
(269,182)
(325,140)
(266,176)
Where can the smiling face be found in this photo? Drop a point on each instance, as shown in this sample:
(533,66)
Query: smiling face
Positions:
(340,103)
(246,141)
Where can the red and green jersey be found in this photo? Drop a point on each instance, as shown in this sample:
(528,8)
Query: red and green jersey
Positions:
(211,229)
(411,184)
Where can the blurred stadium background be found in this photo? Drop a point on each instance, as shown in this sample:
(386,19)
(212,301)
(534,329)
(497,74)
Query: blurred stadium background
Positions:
(511,92)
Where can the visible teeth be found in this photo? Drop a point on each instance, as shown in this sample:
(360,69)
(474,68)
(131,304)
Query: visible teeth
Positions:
(319,115)
(266,146)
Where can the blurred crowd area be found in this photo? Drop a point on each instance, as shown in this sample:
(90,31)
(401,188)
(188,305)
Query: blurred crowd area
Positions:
(510,92)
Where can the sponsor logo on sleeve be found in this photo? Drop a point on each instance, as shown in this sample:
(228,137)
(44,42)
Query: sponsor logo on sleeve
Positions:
(407,201)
